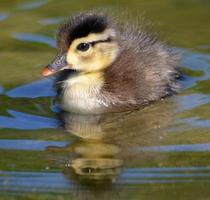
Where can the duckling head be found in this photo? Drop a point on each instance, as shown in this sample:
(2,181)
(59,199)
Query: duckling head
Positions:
(86,43)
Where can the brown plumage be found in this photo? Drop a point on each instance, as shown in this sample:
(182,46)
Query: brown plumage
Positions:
(116,67)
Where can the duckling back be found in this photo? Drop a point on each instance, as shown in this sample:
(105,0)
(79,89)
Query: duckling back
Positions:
(145,71)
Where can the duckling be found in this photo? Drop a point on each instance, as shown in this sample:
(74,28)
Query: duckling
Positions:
(102,66)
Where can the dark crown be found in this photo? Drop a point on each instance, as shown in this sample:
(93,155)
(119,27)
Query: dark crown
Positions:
(80,26)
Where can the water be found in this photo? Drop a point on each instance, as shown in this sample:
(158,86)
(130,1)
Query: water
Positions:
(159,152)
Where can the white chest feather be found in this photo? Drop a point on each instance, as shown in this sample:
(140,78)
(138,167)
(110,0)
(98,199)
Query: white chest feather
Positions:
(81,94)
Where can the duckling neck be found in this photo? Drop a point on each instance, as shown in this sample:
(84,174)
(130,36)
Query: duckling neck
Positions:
(81,93)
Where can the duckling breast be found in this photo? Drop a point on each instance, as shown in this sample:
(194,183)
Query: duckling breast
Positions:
(81,94)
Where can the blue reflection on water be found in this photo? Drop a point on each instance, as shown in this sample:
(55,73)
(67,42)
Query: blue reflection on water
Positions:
(51,21)
(175,148)
(194,122)
(57,182)
(195,61)
(1,89)
(32,5)
(23,121)
(40,88)
(169,169)
(35,38)
(190,101)
(3,16)
(24,144)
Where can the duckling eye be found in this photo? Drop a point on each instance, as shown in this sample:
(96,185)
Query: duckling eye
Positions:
(83,46)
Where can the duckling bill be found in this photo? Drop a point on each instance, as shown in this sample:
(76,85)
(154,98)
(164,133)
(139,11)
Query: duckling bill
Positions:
(116,67)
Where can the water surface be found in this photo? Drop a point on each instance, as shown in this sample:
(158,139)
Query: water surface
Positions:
(159,152)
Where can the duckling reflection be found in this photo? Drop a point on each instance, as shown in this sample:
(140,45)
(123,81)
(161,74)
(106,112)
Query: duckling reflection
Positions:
(94,160)
(106,143)
(141,127)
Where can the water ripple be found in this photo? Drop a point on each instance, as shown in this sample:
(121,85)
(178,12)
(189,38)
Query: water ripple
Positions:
(40,88)
(195,122)
(169,169)
(195,61)
(23,121)
(187,102)
(32,5)
(32,145)
(57,182)
(28,181)
(175,148)
(3,16)
(51,21)
(35,38)
(1,89)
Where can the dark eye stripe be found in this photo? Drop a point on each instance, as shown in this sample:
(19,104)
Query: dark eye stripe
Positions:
(86,46)
(99,41)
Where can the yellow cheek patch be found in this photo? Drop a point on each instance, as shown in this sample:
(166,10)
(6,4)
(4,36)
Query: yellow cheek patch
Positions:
(102,56)
(97,57)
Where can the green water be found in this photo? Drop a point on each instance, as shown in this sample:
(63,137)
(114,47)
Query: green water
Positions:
(159,152)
